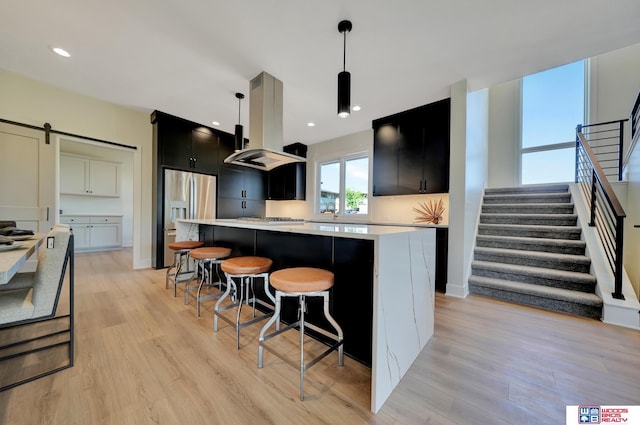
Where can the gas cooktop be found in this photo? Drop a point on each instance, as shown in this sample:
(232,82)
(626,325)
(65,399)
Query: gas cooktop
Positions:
(272,220)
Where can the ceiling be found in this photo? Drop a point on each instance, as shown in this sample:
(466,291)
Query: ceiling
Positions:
(189,57)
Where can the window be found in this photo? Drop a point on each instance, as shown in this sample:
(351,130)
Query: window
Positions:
(552,107)
(344,186)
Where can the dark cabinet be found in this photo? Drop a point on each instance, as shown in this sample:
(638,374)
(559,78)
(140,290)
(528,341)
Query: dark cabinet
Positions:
(204,150)
(289,182)
(185,145)
(353,269)
(411,151)
(442,258)
(241,192)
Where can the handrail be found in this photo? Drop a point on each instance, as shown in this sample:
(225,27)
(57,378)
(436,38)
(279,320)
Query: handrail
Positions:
(604,123)
(608,217)
(606,186)
(608,139)
(634,117)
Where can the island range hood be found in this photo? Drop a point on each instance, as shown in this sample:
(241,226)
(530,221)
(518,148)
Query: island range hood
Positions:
(264,150)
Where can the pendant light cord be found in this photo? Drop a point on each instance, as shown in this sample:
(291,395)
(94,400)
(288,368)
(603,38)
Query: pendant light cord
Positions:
(344,50)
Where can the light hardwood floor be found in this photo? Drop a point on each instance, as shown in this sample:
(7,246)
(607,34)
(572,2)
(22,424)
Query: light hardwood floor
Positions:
(142,357)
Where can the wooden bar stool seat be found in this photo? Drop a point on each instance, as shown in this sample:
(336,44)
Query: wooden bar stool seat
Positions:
(244,270)
(205,259)
(301,282)
(181,251)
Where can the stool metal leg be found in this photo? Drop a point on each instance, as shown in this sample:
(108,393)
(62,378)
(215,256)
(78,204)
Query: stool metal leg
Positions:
(274,318)
(335,325)
(301,302)
(198,264)
(172,266)
(217,309)
(300,323)
(244,296)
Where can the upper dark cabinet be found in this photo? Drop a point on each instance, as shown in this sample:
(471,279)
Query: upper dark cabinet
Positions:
(411,151)
(241,190)
(185,145)
(204,150)
(289,182)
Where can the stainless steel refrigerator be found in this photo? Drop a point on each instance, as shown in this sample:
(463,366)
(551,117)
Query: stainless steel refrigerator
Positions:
(186,195)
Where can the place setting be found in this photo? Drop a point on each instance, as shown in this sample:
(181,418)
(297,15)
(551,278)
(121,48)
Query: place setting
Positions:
(9,235)
(8,244)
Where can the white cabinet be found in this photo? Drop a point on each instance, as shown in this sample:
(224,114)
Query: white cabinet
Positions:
(89,177)
(95,233)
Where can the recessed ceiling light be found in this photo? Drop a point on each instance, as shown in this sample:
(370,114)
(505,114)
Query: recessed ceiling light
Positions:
(311,124)
(356,108)
(215,123)
(61,52)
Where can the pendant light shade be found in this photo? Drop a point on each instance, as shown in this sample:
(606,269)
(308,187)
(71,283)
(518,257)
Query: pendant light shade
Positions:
(344,77)
(239,138)
(344,94)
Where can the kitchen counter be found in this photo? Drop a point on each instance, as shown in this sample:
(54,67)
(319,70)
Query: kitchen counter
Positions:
(349,230)
(383,295)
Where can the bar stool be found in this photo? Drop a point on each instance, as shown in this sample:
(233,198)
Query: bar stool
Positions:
(301,282)
(206,256)
(245,269)
(180,254)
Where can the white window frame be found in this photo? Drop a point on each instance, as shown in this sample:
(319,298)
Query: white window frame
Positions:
(552,146)
(341,216)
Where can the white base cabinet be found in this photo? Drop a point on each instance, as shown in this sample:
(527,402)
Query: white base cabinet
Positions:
(95,233)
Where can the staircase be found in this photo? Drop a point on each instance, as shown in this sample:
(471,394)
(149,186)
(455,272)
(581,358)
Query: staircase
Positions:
(528,250)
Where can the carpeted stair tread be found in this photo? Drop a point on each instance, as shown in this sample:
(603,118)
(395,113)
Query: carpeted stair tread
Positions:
(567,262)
(535,198)
(529,189)
(577,281)
(530,230)
(536,219)
(530,208)
(537,290)
(564,246)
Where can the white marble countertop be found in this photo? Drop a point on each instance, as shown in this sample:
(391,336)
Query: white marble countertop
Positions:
(355,231)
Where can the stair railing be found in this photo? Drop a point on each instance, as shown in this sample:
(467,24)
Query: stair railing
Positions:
(606,140)
(607,214)
(635,127)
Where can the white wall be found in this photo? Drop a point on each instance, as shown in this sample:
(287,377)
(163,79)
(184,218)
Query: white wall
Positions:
(614,85)
(477,151)
(504,135)
(469,174)
(31,102)
(632,234)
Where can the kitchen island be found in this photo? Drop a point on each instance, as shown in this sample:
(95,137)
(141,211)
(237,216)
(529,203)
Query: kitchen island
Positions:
(383,296)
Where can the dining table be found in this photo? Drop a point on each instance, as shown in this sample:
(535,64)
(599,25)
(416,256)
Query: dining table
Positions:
(12,259)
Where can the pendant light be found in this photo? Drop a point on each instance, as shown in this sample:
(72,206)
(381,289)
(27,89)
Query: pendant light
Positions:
(239,139)
(344,77)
